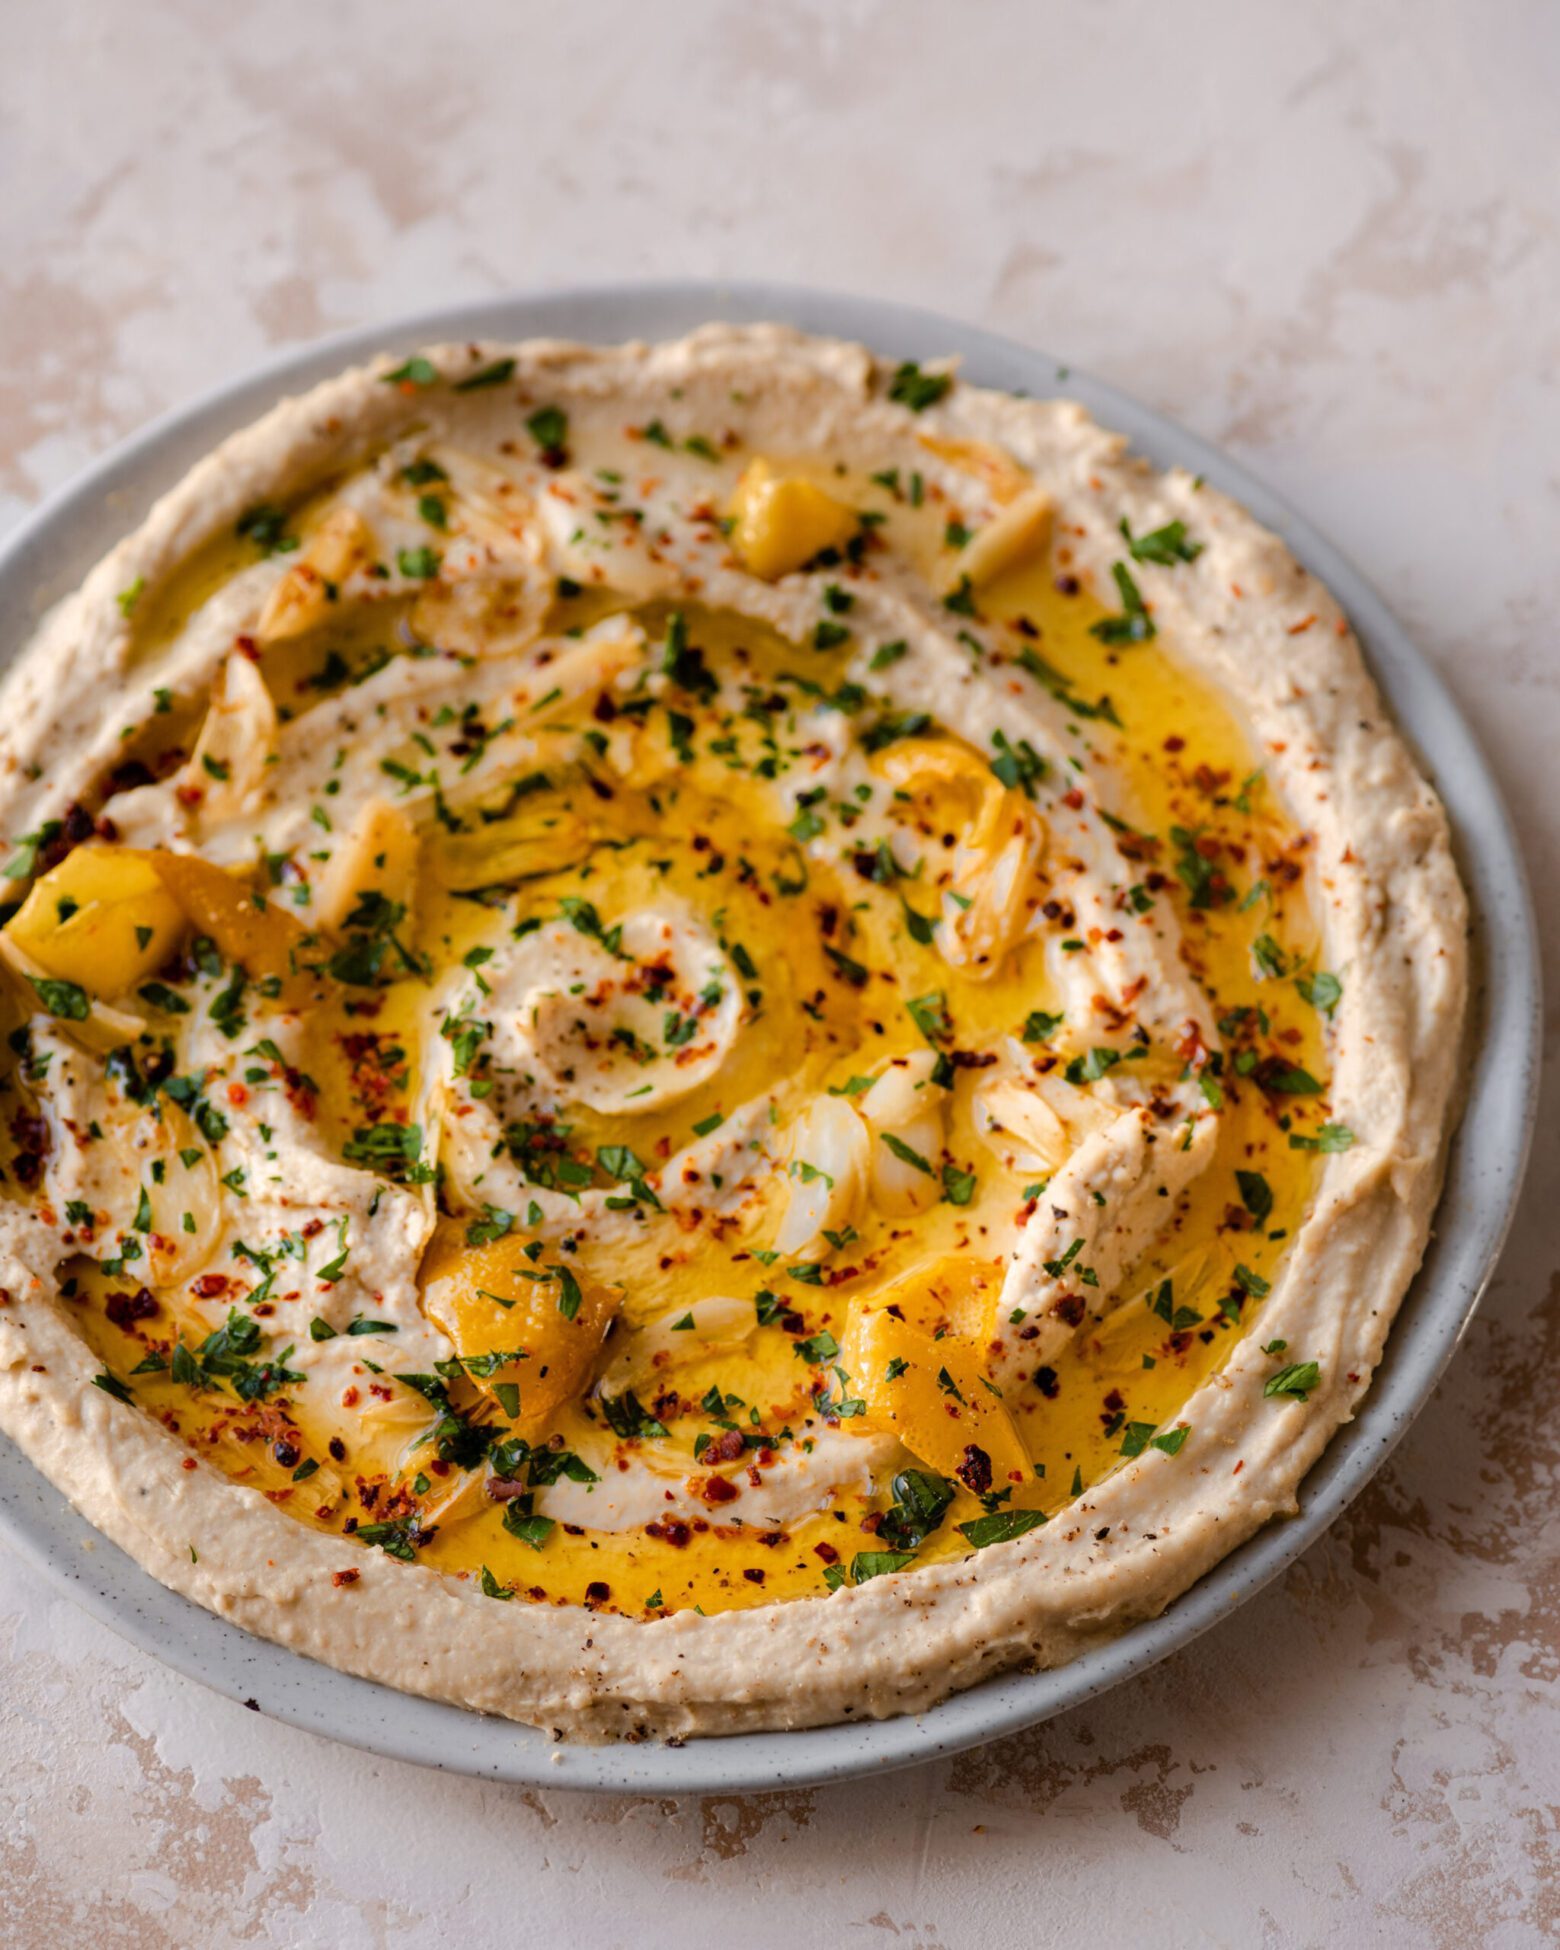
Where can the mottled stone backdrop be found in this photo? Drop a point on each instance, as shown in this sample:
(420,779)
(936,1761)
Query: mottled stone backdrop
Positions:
(1321,233)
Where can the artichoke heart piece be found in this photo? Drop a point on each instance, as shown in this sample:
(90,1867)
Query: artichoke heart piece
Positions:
(102,918)
(782,520)
(306,593)
(186,1200)
(517,1322)
(519,848)
(227,772)
(247,928)
(377,856)
(1003,476)
(478,616)
(996,871)
(830,1161)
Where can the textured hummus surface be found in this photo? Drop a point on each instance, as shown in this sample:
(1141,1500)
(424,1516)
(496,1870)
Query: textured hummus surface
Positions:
(1142,1067)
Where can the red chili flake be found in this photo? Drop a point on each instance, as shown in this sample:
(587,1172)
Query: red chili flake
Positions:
(1209,782)
(125,778)
(76,825)
(31,1136)
(597,1593)
(338,1449)
(123,1308)
(340,1578)
(827,1552)
(717,1489)
(974,1470)
(297,1090)
(209,1286)
(669,1530)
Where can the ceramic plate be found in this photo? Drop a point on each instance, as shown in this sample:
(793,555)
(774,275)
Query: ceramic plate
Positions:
(50,553)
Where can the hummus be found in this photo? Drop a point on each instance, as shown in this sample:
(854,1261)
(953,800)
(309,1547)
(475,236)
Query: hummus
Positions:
(705,1036)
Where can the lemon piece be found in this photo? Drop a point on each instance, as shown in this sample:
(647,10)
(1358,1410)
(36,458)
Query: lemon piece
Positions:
(491,1302)
(933,1395)
(782,520)
(1022,529)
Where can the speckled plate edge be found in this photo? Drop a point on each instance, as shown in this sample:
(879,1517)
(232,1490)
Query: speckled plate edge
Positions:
(44,558)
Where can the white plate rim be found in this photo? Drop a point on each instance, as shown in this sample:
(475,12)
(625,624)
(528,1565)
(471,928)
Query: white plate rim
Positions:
(47,553)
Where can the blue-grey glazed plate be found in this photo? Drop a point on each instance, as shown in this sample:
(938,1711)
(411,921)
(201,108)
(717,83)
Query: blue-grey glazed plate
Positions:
(51,552)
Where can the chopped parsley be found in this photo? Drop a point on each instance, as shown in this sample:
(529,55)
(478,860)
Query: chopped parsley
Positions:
(485,376)
(1328,1138)
(1166,546)
(1256,1195)
(1001,1527)
(1321,990)
(916,389)
(1134,624)
(1298,1379)
(415,372)
(67,1000)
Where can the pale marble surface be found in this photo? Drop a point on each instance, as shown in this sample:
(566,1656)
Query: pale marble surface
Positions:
(1321,234)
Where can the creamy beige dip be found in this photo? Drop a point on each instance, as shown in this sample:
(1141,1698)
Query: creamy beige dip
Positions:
(704,1036)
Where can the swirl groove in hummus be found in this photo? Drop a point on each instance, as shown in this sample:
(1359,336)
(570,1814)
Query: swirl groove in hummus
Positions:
(703,1036)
